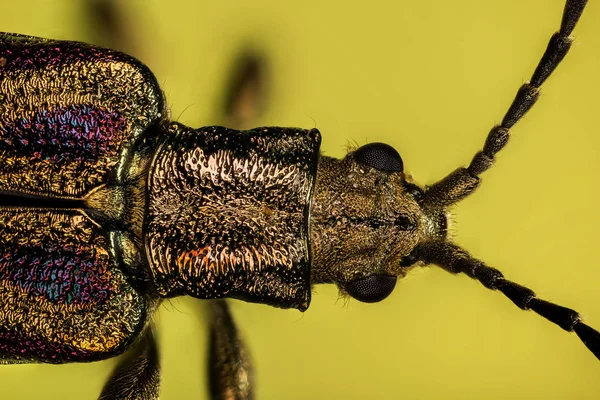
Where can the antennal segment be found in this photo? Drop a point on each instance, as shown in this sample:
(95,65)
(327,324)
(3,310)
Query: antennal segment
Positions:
(464,181)
(454,259)
(528,93)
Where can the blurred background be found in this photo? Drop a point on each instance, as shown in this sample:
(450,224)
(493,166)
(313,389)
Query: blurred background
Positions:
(430,78)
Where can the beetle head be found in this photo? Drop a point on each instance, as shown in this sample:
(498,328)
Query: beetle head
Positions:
(368,217)
(370,224)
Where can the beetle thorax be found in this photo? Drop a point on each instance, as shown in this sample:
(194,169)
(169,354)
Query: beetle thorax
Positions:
(228,214)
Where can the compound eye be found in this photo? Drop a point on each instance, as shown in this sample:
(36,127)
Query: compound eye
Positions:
(380,156)
(371,289)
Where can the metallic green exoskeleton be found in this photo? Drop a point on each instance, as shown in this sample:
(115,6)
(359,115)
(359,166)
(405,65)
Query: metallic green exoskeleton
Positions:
(107,207)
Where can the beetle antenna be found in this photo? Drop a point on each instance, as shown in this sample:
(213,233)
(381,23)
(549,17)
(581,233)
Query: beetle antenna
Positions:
(462,182)
(454,259)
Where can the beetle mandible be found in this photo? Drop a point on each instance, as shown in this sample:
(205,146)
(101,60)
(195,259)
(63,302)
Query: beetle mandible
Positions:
(109,196)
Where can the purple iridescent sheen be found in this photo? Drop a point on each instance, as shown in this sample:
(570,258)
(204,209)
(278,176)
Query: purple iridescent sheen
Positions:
(60,275)
(59,257)
(44,54)
(22,344)
(74,133)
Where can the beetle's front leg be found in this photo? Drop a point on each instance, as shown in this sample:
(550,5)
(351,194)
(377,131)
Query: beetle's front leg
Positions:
(137,376)
(229,363)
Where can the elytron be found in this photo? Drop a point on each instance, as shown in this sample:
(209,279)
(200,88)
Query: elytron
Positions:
(108,208)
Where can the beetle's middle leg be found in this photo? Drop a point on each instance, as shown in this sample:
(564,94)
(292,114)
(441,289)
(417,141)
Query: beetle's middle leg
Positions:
(137,376)
(230,372)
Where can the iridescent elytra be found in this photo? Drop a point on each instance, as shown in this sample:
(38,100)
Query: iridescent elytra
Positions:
(560,74)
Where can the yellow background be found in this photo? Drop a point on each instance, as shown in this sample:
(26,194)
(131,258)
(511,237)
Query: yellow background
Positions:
(430,78)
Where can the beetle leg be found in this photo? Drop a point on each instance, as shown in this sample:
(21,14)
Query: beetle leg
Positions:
(230,372)
(137,376)
(247,90)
